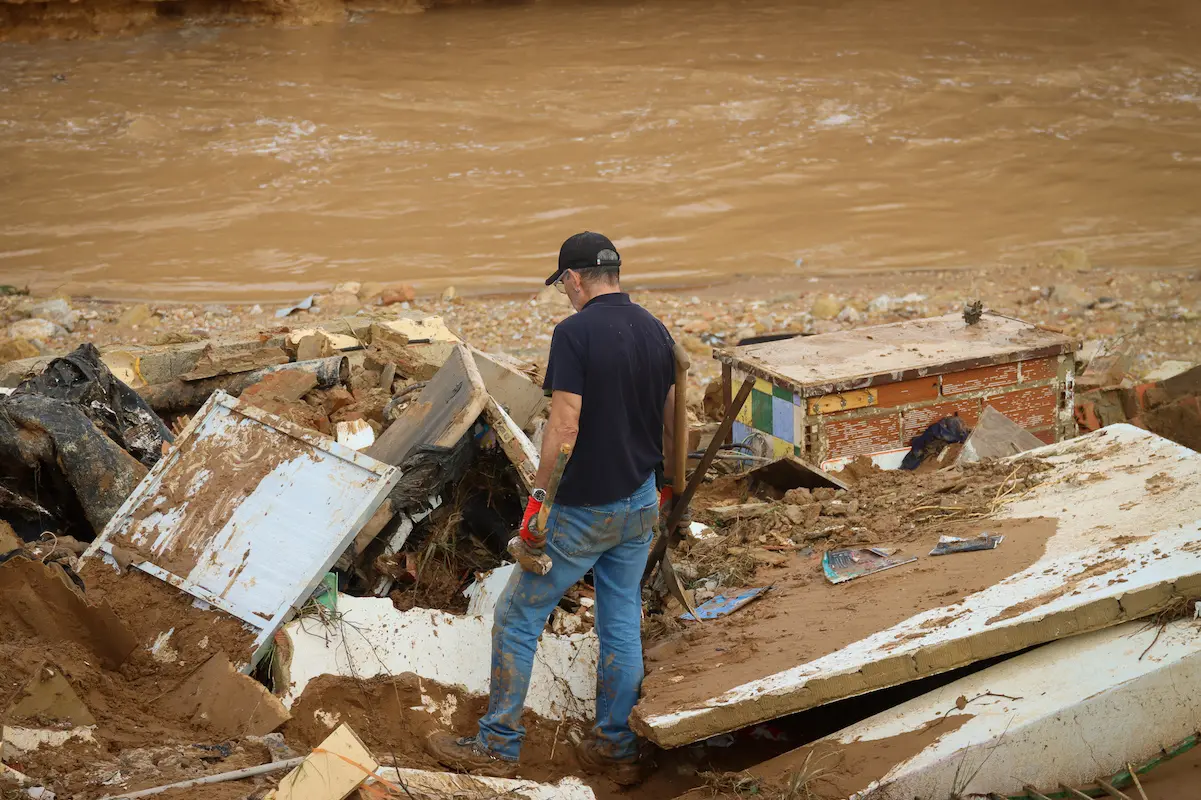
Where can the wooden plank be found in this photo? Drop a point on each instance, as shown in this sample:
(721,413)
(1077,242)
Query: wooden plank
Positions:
(445,410)
(336,767)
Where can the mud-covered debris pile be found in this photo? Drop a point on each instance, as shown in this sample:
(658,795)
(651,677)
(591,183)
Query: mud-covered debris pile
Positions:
(752,526)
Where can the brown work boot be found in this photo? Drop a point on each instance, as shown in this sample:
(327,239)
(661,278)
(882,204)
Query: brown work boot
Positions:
(622,771)
(468,755)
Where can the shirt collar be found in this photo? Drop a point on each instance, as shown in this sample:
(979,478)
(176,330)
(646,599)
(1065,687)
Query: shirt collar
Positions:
(611,299)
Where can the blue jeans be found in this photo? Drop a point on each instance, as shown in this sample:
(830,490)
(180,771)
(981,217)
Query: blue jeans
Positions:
(612,540)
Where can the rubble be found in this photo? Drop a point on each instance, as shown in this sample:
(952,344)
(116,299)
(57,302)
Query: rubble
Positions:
(323,545)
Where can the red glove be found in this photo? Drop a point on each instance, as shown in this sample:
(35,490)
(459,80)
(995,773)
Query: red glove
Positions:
(665,495)
(531,509)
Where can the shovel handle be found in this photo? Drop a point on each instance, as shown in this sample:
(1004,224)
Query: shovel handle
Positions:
(680,427)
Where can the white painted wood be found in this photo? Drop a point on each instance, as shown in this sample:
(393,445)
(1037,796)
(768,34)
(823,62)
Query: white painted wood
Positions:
(370,637)
(467,787)
(1077,709)
(1098,490)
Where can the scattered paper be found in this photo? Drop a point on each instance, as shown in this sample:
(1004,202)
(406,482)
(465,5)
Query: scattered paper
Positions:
(954,544)
(843,565)
(721,605)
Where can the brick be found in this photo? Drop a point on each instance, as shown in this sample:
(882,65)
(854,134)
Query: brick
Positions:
(916,420)
(1046,435)
(915,391)
(852,437)
(1039,370)
(1029,408)
(1086,415)
(974,380)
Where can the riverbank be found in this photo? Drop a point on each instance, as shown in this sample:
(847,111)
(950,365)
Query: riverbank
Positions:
(1160,309)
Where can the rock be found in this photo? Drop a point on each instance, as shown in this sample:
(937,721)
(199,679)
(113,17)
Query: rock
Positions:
(349,287)
(370,290)
(803,516)
(401,293)
(449,294)
(35,330)
(135,317)
(826,307)
(849,314)
(256,309)
(880,304)
(287,385)
(218,311)
(799,496)
(839,508)
(340,301)
(823,494)
(58,311)
(768,557)
(1067,294)
(16,349)
(313,346)
(1071,259)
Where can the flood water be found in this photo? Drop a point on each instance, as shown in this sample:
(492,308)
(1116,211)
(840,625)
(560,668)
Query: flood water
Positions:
(708,138)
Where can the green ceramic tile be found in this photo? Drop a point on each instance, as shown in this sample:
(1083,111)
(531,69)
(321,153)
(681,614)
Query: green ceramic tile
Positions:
(761,411)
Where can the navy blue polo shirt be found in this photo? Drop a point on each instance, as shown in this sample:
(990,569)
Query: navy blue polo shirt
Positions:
(618,358)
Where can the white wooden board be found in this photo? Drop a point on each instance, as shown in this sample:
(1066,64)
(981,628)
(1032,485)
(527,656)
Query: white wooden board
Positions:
(1126,502)
(248,512)
(1072,711)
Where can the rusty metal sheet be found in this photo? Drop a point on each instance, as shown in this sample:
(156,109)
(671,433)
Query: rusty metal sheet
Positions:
(248,512)
(857,359)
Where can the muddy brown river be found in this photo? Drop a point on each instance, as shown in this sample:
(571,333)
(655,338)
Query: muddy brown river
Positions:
(708,138)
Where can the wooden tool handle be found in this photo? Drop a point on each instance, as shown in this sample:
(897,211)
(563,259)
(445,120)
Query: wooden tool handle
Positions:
(680,448)
(552,486)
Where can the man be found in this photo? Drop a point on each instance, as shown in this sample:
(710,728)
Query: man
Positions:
(609,377)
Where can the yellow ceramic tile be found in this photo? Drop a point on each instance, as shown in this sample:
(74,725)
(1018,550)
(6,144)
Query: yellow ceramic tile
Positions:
(781,448)
(762,386)
(842,402)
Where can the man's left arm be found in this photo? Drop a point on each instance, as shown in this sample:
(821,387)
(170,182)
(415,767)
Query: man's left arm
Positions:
(562,428)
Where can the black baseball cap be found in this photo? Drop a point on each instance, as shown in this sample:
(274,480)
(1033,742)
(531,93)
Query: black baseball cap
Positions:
(585,250)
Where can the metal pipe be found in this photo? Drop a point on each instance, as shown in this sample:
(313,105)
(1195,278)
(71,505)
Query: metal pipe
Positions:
(236,775)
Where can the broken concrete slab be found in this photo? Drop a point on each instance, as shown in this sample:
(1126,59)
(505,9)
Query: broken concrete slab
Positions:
(1040,719)
(47,695)
(231,705)
(996,436)
(444,411)
(424,785)
(16,741)
(338,766)
(1123,545)
(371,637)
(218,516)
(38,598)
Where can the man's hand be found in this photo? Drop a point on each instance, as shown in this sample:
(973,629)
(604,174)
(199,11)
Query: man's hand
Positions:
(531,510)
(667,501)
